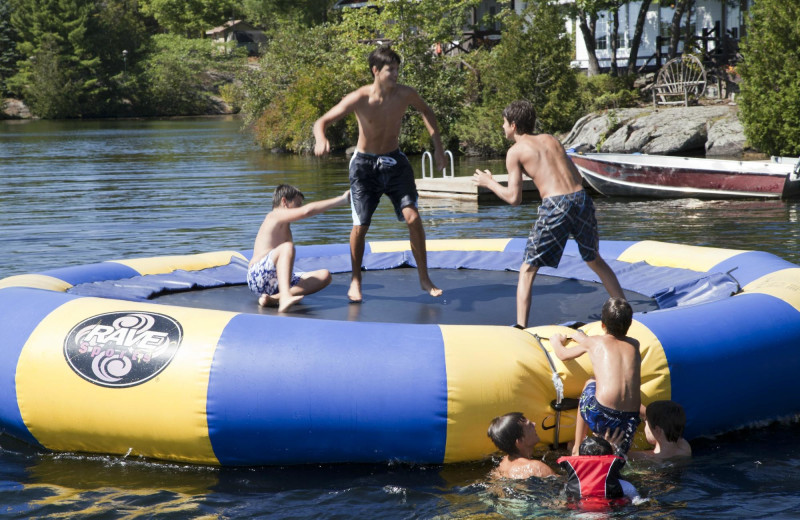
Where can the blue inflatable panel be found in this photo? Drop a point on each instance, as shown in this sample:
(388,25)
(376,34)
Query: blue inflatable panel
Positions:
(25,309)
(751,265)
(748,334)
(142,288)
(314,409)
(486,260)
(92,273)
(323,250)
(334,264)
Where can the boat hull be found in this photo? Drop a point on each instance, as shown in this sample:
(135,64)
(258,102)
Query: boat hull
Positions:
(652,176)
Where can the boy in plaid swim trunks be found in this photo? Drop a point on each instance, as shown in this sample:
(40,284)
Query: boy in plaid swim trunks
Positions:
(566,209)
(270,274)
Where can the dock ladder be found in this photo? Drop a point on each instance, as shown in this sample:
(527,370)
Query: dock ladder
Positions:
(445,174)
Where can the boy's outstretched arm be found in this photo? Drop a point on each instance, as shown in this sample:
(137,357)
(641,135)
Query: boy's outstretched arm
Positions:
(512,192)
(564,354)
(311,209)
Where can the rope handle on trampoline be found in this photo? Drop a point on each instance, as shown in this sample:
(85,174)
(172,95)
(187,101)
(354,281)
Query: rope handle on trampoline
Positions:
(445,174)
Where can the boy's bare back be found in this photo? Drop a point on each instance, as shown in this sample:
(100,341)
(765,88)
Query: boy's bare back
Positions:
(543,159)
(616,365)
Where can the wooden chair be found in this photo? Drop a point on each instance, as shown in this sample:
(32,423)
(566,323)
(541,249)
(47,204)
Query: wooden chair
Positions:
(683,77)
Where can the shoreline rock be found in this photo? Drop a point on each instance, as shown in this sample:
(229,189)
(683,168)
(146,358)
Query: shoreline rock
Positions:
(714,130)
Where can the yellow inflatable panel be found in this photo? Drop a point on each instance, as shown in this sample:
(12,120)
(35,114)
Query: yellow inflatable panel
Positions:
(35,281)
(473,399)
(775,284)
(681,256)
(168,264)
(159,417)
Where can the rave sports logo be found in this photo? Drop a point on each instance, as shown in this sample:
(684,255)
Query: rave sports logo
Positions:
(122,349)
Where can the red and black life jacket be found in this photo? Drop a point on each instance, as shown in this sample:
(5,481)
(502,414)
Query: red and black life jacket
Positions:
(593,476)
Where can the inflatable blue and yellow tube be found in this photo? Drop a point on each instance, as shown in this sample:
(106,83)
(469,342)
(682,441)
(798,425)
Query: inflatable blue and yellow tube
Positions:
(120,375)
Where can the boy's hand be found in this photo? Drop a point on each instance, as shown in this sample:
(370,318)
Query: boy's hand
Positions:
(615,438)
(321,147)
(346,197)
(482,178)
(560,338)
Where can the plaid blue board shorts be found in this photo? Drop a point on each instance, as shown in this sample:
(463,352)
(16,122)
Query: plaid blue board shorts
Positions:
(600,418)
(560,217)
(262,277)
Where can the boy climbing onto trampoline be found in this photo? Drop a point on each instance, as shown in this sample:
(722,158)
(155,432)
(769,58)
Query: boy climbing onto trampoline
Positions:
(378,166)
(565,210)
(612,400)
(270,273)
(663,428)
(516,436)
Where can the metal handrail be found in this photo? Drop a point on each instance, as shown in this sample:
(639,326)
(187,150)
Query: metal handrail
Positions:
(430,165)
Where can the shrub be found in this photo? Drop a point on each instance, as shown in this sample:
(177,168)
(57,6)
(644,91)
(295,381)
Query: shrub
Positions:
(770,70)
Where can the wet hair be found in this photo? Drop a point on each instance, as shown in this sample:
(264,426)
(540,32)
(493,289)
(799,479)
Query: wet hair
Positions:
(522,114)
(506,430)
(382,56)
(285,190)
(593,445)
(667,415)
(617,316)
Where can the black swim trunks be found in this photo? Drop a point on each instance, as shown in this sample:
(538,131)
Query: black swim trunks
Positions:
(373,175)
(560,217)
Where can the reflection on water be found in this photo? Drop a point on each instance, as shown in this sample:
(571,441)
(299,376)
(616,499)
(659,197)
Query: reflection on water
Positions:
(78,192)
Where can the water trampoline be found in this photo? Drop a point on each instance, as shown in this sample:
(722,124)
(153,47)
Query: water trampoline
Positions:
(171,358)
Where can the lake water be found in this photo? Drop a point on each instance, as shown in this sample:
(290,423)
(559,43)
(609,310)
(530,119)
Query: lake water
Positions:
(82,192)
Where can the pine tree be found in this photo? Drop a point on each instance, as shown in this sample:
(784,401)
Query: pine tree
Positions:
(8,46)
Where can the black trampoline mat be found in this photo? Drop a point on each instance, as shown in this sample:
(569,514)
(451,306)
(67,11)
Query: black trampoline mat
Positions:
(471,297)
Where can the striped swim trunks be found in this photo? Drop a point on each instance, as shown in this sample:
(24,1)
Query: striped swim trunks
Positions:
(560,217)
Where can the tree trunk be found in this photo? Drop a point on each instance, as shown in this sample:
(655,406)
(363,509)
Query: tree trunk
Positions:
(675,29)
(637,35)
(614,39)
(588,30)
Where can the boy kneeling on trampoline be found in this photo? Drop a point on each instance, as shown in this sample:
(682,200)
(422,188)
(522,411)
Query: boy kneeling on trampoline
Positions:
(270,273)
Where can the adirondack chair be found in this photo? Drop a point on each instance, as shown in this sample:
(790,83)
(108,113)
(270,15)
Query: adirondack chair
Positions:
(683,78)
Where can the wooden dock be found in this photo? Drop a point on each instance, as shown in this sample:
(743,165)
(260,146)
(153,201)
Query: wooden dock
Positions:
(461,188)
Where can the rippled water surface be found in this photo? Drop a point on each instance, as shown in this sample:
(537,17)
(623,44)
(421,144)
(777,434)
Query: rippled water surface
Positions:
(81,192)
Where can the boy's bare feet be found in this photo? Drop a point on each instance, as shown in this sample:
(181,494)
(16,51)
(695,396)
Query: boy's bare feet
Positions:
(265,300)
(354,293)
(288,301)
(429,288)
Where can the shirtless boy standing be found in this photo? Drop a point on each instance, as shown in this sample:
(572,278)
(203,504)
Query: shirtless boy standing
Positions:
(378,166)
(270,272)
(566,209)
(516,436)
(612,400)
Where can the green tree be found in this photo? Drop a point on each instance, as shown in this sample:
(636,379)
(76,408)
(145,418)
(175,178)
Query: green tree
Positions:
(191,18)
(54,37)
(176,74)
(532,62)
(8,46)
(271,14)
(306,70)
(770,70)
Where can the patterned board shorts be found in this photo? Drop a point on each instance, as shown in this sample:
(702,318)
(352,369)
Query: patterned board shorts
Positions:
(600,418)
(262,277)
(373,175)
(560,217)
